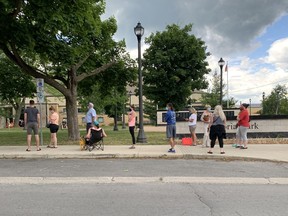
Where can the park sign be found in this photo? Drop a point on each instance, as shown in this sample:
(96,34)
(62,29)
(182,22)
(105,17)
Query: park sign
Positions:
(260,126)
(40,90)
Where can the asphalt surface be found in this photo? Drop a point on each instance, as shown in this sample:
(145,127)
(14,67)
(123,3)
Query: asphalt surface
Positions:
(142,187)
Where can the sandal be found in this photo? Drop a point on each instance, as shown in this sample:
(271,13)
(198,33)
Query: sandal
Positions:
(48,146)
(39,149)
(28,149)
(222,152)
(242,147)
(210,152)
(132,147)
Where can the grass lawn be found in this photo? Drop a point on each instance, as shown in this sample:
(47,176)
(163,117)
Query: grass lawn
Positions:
(17,137)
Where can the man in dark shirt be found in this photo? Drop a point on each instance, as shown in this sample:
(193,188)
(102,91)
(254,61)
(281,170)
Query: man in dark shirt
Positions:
(32,119)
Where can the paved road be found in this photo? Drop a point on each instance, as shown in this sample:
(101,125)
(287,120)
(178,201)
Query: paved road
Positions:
(142,187)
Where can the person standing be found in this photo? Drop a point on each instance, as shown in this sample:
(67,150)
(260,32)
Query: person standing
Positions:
(205,118)
(170,119)
(32,122)
(54,127)
(243,125)
(90,116)
(131,123)
(192,122)
(217,128)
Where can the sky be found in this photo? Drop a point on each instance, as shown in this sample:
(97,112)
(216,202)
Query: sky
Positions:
(251,35)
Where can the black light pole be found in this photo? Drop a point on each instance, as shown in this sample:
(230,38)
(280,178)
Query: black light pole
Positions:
(130,95)
(250,105)
(278,100)
(221,63)
(123,120)
(263,100)
(139,31)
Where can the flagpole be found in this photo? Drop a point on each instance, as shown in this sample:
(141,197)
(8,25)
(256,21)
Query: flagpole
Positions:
(227,86)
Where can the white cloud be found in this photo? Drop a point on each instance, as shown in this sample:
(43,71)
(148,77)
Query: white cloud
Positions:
(229,29)
(278,54)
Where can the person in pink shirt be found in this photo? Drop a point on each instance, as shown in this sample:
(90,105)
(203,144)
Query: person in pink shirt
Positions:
(131,123)
(54,126)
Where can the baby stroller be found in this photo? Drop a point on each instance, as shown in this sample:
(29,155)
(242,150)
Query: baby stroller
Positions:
(96,141)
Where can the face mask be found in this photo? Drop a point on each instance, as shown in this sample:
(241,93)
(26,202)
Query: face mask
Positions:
(166,108)
(208,109)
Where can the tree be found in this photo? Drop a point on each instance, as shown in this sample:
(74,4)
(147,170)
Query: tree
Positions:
(109,89)
(276,103)
(61,41)
(14,86)
(174,65)
(212,96)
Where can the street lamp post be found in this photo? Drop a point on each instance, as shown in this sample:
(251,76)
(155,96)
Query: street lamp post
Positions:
(139,31)
(250,105)
(263,100)
(123,120)
(221,63)
(278,100)
(130,99)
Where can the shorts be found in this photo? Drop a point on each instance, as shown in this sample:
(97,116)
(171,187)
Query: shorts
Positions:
(54,128)
(32,126)
(192,128)
(243,133)
(171,131)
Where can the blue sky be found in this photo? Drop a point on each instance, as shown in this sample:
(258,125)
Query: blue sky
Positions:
(251,35)
(274,32)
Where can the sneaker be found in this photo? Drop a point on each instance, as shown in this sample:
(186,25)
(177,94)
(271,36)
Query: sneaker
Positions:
(172,150)
(236,146)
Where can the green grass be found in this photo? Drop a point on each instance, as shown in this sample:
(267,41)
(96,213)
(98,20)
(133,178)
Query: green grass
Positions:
(17,137)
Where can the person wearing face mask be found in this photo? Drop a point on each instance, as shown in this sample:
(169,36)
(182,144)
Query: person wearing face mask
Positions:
(205,117)
(243,125)
(131,123)
(170,118)
(192,123)
(54,126)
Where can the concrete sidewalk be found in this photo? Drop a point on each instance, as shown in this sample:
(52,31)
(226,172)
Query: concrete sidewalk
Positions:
(265,152)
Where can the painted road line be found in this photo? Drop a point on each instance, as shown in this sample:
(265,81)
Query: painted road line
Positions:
(142,180)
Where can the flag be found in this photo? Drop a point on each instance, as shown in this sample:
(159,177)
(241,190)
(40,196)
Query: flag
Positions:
(226,67)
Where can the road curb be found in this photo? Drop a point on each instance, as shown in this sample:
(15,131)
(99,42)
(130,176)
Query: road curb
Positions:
(137,156)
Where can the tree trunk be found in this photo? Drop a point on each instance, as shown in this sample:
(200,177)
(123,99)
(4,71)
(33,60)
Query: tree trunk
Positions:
(18,109)
(115,123)
(72,118)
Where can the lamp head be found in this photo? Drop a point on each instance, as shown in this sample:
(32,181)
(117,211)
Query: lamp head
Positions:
(139,31)
(221,63)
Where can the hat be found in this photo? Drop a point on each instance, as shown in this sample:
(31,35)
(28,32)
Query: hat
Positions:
(245,105)
(96,123)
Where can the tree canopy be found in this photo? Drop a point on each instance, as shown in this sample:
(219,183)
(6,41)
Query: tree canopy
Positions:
(14,86)
(213,95)
(174,65)
(276,103)
(61,41)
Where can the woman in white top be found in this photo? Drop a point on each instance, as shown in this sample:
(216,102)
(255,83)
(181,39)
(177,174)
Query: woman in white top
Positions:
(192,121)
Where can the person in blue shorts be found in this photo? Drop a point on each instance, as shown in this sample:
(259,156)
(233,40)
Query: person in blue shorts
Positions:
(170,119)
